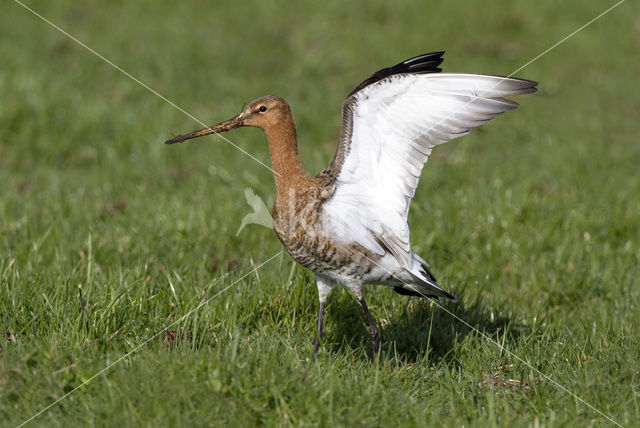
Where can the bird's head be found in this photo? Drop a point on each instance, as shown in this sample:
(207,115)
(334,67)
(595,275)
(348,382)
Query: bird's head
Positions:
(263,112)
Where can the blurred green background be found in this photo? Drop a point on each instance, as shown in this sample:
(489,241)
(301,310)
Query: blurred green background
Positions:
(107,236)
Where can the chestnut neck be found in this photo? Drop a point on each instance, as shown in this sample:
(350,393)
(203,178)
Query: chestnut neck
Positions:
(283,148)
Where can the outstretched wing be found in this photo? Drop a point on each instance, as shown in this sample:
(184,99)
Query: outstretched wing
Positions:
(390,125)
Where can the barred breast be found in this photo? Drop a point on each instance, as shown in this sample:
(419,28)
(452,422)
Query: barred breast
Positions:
(298,224)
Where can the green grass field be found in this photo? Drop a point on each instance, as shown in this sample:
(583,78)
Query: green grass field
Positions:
(108,237)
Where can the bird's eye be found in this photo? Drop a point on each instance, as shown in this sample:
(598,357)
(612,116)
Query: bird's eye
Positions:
(262,109)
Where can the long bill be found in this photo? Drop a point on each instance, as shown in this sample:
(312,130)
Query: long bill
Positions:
(235,122)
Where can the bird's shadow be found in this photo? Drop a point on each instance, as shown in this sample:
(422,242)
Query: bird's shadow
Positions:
(422,328)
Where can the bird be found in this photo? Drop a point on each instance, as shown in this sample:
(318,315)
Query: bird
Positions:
(348,224)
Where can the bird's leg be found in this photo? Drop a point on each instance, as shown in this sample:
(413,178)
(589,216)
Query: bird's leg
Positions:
(324,288)
(373,330)
(318,338)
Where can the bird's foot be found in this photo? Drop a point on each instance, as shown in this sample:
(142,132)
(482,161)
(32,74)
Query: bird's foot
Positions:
(375,341)
(316,343)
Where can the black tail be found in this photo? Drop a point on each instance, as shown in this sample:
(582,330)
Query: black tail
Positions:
(424,287)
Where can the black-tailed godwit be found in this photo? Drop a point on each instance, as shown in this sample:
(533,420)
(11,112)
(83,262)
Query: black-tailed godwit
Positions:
(349,223)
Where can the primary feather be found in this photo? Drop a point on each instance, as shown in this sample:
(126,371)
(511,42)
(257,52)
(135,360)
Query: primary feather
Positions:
(390,126)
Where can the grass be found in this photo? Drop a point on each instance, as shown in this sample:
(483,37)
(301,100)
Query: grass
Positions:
(107,236)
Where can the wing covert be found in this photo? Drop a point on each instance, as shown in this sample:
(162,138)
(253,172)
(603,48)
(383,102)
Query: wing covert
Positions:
(390,126)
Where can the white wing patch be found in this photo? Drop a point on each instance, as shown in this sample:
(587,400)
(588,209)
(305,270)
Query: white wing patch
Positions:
(395,123)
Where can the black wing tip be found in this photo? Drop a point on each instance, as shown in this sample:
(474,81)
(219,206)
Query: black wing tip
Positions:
(525,85)
(425,63)
(533,86)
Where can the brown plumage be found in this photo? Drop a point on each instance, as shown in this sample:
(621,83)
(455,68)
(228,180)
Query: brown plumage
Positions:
(348,224)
